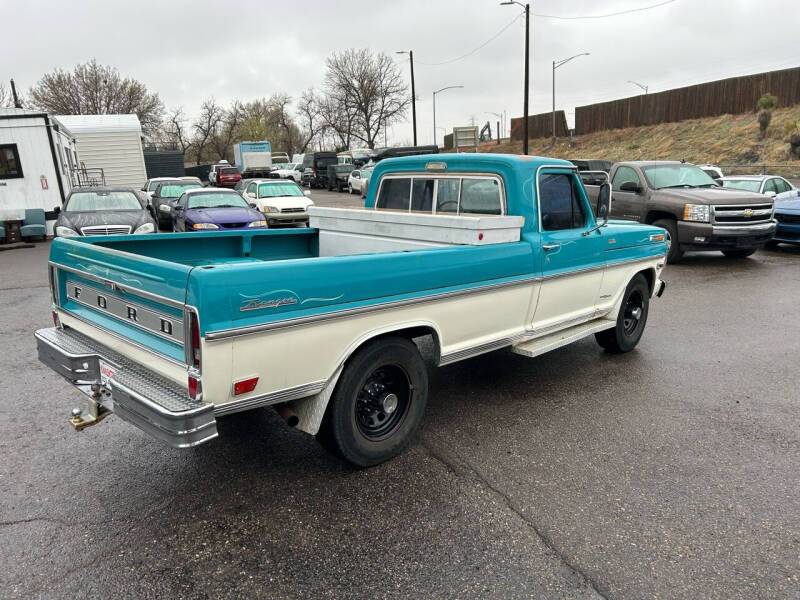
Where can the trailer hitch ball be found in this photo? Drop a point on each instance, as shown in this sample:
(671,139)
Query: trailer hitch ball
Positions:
(76,413)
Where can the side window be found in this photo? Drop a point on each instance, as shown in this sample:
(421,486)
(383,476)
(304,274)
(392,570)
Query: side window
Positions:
(356,174)
(560,202)
(422,195)
(395,194)
(251,189)
(782,185)
(480,196)
(624,175)
(10,167)
(447,195)
(770,185)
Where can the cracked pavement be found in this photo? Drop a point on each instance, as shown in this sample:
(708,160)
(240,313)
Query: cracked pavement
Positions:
(668,472)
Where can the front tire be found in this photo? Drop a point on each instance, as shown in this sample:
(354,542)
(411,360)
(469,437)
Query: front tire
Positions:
(378,403)
(631,319)
(674,252)
(738,253)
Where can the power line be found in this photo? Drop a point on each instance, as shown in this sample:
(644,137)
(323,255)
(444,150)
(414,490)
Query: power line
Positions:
(474,50)
(614,14)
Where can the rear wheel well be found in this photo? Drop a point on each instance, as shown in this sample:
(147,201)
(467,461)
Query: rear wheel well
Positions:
(655,215)
(410,333)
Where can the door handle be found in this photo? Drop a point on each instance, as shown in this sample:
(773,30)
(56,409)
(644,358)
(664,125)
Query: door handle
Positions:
(548,247)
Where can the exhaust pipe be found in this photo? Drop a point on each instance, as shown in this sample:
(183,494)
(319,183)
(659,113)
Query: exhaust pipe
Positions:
(287,414)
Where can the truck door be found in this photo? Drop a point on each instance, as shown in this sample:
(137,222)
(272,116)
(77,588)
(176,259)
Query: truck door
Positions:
(572,261)
(626,203)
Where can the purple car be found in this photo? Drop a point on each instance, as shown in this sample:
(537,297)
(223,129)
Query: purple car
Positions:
(204,209)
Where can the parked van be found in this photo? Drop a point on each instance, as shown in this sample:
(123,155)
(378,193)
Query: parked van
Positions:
(315,168)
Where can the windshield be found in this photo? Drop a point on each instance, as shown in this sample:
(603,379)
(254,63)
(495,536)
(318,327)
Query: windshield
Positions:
(174,190)
(273,190)
(668,176)
(748,185)
(217,200)
(324,163)
(99,201)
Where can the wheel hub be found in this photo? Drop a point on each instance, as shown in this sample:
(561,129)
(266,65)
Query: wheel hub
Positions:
(382,402)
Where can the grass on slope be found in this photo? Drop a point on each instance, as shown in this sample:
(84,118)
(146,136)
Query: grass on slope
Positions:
(725,140)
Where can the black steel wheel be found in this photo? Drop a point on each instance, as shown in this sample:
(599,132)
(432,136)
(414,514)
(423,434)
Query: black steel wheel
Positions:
(631,318)
(378,402)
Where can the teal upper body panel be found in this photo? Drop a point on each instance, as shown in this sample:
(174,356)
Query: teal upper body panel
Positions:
(248,278)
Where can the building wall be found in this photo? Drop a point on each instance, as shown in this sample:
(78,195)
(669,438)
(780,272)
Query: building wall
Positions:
(118,153)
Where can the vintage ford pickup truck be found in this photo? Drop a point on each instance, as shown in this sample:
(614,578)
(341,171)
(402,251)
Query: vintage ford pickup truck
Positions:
(480,252)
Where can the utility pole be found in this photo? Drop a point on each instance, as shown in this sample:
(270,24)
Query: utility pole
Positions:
(527,8)
(413,94)
(640,86)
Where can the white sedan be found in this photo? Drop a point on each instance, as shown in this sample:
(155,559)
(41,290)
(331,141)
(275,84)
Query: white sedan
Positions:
(282,202)
(773,186)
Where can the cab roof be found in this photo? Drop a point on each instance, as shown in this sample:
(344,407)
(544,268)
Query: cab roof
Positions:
(482,161)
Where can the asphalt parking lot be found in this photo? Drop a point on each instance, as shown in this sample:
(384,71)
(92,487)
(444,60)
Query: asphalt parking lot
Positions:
(668,472)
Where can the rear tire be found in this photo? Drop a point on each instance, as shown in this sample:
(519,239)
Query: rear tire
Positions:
(631,319)
(674,252)
(736,254)
(378,403)
(772,244)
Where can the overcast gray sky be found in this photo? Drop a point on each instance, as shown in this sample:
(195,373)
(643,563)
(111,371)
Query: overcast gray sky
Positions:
(187,51)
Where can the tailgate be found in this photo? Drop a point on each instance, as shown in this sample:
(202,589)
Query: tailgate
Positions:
(130,296)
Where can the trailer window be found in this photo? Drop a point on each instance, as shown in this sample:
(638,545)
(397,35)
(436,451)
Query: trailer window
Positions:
(395,194)
(10,167)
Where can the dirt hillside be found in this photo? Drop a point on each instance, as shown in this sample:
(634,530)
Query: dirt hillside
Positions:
(724,140)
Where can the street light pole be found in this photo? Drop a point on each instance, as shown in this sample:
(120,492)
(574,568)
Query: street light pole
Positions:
(449,87)
(413,94)
(640,86)
(556,64)
(527,8)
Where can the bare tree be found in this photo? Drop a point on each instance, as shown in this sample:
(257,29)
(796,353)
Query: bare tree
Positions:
(310,117)
(94,89)
(176,132)
(288,129)
(5,97)
(206,125)
(228,130)
(369,87)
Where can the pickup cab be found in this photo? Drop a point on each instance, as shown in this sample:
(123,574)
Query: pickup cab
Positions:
(172,332)
(695,210)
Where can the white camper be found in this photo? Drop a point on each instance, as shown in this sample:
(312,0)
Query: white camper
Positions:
(37,157)
(112,143)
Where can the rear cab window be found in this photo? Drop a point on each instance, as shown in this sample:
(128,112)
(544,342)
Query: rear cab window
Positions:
(468,195)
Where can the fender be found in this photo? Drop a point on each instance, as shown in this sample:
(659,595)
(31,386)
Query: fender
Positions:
(311,410)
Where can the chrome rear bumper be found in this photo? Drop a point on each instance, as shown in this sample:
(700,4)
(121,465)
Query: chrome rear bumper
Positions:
(137,395)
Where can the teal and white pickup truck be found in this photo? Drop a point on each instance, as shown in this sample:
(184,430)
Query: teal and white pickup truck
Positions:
(480,252)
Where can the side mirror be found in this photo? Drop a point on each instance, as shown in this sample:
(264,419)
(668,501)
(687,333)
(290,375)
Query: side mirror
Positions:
(57,210)
(307,192)
(630,186)
(253,205)
(603,202)
(770,194)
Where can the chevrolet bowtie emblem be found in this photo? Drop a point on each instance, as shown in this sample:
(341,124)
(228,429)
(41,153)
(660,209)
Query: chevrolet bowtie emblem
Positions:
(748,212)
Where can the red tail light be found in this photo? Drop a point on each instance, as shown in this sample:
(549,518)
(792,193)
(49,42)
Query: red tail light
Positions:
(194,340)
(195,387)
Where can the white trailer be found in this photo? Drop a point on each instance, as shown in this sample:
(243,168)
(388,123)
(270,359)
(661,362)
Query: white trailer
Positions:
(252,156)
(112,143)
(37,156)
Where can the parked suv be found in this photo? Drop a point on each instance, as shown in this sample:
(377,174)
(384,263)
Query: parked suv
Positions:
(338,176)
(315,168)
(691,206)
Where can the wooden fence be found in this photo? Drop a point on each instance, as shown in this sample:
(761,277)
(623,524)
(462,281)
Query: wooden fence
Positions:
(540,126)
(727,96)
